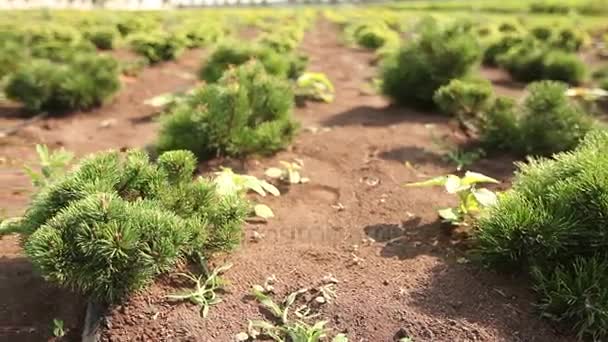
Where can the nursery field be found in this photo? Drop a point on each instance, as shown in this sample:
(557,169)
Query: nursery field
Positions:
(416,171)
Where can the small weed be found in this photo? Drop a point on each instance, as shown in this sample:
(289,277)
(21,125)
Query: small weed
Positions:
(58,328)
(134,67)
(315,86)
(462,158)
(227,182)
(205,290)
(456,156)
(52,165)
(472,199)
(284,328)
(289,172)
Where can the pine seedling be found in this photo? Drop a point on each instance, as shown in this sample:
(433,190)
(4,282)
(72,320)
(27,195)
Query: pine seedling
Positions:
(552,224)
(472,199)
(247,111)
(125,220)
(205,289)
(466,100)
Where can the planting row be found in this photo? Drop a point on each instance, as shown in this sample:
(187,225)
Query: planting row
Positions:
(60,63)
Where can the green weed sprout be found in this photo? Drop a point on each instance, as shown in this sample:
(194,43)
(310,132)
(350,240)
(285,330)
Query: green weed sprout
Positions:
(205,290)
(229,183)
(289,172)
(454,155)
(58,328)
(315,86)
(52,165)
(284,328)
(472,199)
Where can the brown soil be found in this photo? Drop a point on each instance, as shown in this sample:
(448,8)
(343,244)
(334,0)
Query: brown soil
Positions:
(400,273)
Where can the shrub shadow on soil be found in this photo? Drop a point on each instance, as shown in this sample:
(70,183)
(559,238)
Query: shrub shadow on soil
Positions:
(410,238)
(13,111)
(27,298)
(461,297)
(414,154)
(381,116)
(484,299)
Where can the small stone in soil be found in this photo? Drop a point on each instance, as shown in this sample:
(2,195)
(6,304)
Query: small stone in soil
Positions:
(256,237)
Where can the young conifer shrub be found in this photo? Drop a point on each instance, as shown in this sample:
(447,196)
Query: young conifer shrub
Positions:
(108,227)
(564,66)
(373,34)
(158,46)
(550,122)
(603,83)
(84,81)
(569,39)
(236,53)
(284,42)
(58,51)
(499,44)
(281,41)
(41,33)
(553,224)
(532,59)
(542,32)
(202,34)
(499,126)
(524,60)
(547,122)
(464,97)
(438,55)
(600,76)
(103,37)
(246,111)
(134,24)
(12,54)
(508,27)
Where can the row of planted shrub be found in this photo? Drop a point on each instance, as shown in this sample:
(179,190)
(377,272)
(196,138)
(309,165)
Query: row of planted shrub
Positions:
(542,52)
(552,223)
(117,220)
(55,64)
(529,52)
(587,7)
